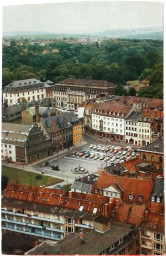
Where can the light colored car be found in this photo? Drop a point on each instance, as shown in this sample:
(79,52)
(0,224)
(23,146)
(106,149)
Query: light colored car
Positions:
(96,157)
(92,155)
(124,153)
(113,158)
(91,146)
(120,152)
(106,158)
(94,147)
(102,157)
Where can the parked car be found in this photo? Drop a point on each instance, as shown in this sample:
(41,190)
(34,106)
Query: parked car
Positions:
(74,153)
(124,152)
(91,146)
(87,155)
(102,157)
(82,154)
(96,157)
(77,154)
(94,147)
(92,155)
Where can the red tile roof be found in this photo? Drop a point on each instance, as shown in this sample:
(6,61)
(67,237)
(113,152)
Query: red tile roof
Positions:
(119,109)
(55,197)
(131,165)
(129,185)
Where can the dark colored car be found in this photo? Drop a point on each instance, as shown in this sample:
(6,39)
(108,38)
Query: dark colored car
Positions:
(87,155)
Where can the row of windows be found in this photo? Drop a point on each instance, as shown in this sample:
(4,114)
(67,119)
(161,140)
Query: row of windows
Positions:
(131,128)
(77,134)
(78,140)
(107,118)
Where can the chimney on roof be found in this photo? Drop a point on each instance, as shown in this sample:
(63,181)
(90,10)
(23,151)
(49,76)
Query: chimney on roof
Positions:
(37,113)
(88,177)
(106,210)
(70,194)
(81,235)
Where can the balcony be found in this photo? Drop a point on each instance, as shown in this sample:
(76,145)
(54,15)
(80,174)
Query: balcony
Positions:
(32,217)
(32,225)
(146,246)
(83,226)
(32,234)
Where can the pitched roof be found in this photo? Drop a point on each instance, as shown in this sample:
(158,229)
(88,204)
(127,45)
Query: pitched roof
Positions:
(15,133)
(21,85)
(154,218)
(93,242)
(131,165)
(129,185)
(86,82)
(134,116)
(156,147)
(56,198)
(111,109)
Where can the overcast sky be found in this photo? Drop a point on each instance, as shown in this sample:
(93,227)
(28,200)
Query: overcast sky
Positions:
(82,17)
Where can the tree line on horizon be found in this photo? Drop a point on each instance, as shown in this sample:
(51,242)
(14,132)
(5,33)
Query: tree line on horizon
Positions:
(116,60)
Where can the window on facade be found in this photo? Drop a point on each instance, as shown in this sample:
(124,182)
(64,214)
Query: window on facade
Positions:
(131,196)
(69,229)
(158,247)
(140,197)
(101,192)
(153,199)
(144,157)
(69,221)
(158,237)
(158,199)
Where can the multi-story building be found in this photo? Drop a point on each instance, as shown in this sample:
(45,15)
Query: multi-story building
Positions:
(49,87)
(24,90)
(108,119)
(131,128)
(153,153)
(70,92)
(62,130)
(24,143)
(108,238)
(152,235)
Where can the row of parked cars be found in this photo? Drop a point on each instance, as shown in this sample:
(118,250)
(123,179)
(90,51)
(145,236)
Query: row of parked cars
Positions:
(110,154)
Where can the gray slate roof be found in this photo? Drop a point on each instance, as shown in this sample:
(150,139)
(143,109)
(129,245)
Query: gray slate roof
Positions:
(134,116)
(43,111)
(93,242)
(158,189)
(20,85)
(62,121)
(156,146)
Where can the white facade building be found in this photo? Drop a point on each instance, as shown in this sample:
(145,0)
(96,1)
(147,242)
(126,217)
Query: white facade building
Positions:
(8,152)
(28,90)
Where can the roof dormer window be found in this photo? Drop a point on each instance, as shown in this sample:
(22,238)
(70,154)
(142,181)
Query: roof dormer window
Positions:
(153,199)
(131,196)
(158,199)
(140,197)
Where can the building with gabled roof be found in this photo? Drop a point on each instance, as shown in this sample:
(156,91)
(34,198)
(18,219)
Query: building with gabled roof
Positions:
(152,229)
(130,190)
(24,143)
(71,92)
(24,90)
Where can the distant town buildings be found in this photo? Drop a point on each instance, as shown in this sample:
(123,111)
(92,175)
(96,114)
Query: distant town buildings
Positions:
(70,92)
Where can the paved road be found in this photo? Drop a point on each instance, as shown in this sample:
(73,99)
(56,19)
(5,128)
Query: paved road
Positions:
(66,161)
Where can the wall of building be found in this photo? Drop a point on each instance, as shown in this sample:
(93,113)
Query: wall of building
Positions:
(8,151)
(77,134)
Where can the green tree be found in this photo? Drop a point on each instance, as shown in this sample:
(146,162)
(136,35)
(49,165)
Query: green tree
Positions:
(132,92)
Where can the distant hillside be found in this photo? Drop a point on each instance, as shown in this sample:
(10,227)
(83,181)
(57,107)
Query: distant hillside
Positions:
(155,33)
(143,33)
